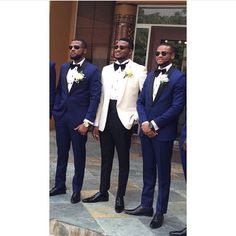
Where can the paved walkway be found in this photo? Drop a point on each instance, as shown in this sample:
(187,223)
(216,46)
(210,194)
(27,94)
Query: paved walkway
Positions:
(101,218)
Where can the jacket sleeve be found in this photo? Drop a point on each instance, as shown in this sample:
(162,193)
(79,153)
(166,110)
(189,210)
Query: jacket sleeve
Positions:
(142,77)
(95,94)
(141,104)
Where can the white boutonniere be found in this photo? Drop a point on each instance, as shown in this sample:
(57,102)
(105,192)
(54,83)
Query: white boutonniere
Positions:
(128,73)
(164,79)
(79,77)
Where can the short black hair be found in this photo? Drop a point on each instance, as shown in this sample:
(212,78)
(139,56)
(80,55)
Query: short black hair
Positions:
(85,45)
(172,47)
(129,41)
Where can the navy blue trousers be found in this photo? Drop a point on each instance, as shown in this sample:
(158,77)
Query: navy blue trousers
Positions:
(156,165)
(65,135)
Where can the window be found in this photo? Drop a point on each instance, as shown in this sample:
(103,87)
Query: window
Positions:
(149,16)
(141,45)
(162,15)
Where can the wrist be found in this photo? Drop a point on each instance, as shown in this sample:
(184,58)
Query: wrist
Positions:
(86,124)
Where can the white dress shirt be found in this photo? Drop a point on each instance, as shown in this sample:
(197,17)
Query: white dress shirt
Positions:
(117,78)
(70,77)
(156,83)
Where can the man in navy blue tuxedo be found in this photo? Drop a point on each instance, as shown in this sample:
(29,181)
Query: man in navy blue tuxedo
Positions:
(52,85)
(77,98)
(159,105)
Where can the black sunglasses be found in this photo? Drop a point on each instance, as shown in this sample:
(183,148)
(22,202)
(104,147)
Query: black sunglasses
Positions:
(121,47)
(162,53)
(75,47)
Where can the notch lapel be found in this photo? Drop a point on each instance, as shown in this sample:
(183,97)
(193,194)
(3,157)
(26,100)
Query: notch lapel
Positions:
(151,87)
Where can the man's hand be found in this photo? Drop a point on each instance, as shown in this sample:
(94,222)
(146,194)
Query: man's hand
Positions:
(152,134)
(96,133)
(145,128)
(148,131)
(81,129)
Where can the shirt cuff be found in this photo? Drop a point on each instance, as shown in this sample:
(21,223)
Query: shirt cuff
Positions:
(145,122)
(154,125)
(88,121)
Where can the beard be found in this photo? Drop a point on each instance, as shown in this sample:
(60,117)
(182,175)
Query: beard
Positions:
(76,57)
(164,64)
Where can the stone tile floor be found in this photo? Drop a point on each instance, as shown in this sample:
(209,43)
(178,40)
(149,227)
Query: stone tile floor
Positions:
(101,217)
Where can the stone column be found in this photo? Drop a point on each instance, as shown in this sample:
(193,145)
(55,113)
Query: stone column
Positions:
(124,23)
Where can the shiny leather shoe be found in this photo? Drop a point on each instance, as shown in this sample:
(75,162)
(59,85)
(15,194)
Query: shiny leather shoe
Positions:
(98,197)
(140,211)
(157,221)
(182,232)
(56,191)
(119,206)
(75,198)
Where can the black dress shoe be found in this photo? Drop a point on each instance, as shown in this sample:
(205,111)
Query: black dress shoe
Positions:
(56,191)
(157,221)
(182,232)
(140,211)
(119,206)
(98,197)
(75,198)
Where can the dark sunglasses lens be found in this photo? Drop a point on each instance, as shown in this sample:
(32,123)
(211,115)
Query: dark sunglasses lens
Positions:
(75,47)
(162,53)
(121,47)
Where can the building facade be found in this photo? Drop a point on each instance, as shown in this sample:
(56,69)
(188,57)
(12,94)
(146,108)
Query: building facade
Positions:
(101,23)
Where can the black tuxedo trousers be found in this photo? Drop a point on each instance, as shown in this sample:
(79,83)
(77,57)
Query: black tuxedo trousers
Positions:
(115,135)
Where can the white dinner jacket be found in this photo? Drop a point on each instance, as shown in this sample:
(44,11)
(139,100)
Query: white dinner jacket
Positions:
(128,92)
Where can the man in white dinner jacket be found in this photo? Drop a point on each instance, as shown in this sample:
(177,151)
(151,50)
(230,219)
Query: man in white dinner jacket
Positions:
(121,83)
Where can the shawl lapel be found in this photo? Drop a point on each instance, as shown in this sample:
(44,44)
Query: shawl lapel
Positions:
(159,92)
(151,87)
(162,86)
(74,85)
(64,77)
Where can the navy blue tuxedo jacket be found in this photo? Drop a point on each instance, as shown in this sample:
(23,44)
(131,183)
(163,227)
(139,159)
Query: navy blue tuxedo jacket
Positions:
(166,107)
(82,100)
(52,85)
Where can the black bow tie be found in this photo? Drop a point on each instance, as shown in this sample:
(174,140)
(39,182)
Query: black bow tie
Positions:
(122,66)
(72,66)
(158,71)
